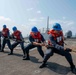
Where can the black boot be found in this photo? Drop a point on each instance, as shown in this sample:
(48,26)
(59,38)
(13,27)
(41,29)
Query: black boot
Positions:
(43,65)
(27,57)
(73,69)
(24,56)
(11,53)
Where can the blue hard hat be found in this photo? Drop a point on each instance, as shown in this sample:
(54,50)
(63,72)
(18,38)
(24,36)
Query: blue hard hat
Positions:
(34,29)
(14,28)
(4,26)
(57,26)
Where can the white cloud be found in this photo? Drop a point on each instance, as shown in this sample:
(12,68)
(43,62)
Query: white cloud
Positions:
(33,19)
(5,19)
(29,9)
(63,18)
(70,23)
(42,18)
(39,12)
(36,19)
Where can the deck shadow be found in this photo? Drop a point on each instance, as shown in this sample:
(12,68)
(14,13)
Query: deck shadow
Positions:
(34,59)
(60,69)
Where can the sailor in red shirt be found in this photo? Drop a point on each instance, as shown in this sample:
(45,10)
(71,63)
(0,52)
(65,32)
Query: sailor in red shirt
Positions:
(18,38)
(56,45)
(6,35)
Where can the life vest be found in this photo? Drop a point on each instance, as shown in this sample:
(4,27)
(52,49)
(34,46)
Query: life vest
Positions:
(16,35)
(36,37)
(57,37)
(5,32)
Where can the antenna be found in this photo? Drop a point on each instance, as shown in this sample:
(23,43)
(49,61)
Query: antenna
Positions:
(47,24)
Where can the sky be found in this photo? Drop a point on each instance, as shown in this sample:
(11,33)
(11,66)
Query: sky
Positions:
(24,14)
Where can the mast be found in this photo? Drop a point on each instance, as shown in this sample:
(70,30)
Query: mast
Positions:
(47,24)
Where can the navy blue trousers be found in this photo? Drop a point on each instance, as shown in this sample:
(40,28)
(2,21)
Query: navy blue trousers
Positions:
(21,44)
(30,46)
(64,53)
(6,40)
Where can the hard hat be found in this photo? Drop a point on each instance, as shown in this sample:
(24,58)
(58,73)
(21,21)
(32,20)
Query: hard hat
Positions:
(57,26)
(4,26)
(34,29)
(14,28)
